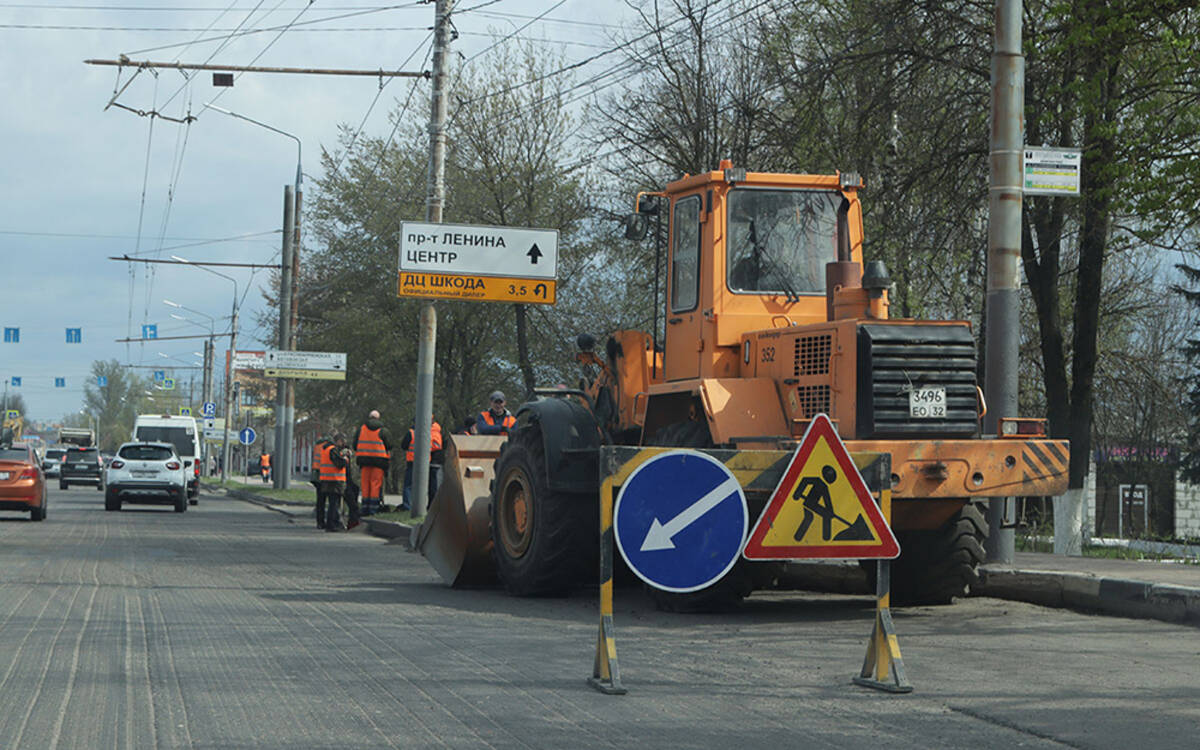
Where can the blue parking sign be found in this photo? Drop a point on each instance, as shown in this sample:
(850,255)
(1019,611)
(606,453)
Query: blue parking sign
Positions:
(208,410)
(101,380)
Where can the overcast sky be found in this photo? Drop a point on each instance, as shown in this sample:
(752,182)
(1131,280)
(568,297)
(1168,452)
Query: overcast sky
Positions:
(71,183)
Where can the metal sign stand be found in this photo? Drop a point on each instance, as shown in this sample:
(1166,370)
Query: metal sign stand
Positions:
(883,669)
(606,674)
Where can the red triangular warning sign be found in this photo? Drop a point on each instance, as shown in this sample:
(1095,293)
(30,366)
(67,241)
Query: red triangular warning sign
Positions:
(821,507)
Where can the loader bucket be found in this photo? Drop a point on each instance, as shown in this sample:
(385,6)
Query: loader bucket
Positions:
(455,536)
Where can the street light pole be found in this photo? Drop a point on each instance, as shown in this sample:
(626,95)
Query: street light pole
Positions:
(233,331)
(206,383)
(288,304)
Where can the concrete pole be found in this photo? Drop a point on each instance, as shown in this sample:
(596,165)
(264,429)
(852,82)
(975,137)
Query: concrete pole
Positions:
(1004,246)
(434,199)
(229,391)
(285,325)
(207,387)
(289,417)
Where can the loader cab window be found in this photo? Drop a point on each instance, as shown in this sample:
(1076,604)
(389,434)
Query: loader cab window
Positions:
(685,254)
(780,240)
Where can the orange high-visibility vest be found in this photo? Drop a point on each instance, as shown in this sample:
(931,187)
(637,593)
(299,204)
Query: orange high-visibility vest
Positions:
(370,443)
(265,461)
(326,471)
(435,441)
(507,423)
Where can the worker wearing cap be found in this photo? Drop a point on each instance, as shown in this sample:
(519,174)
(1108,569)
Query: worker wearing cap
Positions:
(373,453)
(495,420)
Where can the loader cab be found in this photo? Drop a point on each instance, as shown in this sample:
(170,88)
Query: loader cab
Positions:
(748,251)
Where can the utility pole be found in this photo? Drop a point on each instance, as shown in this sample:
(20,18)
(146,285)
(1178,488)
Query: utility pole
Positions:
(435,197)
(289,422)
(285,335)
(207,389)
(1004,248)
(229,392)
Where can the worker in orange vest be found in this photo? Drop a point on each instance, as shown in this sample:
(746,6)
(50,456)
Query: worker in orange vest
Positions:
(331,472)
(495,420)
(315,478)
(435,461)
(264,465)
(373,454)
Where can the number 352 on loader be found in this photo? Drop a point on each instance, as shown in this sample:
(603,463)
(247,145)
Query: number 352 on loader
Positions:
(770,320)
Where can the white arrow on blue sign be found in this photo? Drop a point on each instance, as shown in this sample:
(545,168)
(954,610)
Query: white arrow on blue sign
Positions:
(209,410)
(247,436)
(680,521)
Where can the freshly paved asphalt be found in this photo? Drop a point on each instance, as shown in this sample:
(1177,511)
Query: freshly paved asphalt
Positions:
(231,626)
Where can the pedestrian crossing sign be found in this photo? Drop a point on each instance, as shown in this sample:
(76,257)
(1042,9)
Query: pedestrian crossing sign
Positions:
(185,411)
(821,508)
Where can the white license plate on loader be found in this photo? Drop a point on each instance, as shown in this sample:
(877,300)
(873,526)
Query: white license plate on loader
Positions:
(927,403)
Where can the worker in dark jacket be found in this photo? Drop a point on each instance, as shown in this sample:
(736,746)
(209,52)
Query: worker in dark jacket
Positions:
(332,474)
(373,454)
(495,420)
(435,461)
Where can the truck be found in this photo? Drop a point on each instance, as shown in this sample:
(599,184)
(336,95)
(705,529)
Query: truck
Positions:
(82,437)
(771,319)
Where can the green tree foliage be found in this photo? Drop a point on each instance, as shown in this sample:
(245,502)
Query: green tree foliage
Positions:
(114,405)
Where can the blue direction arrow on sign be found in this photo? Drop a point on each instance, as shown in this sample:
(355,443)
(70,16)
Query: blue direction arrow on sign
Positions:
(680,521)
(247,436)
(209,410)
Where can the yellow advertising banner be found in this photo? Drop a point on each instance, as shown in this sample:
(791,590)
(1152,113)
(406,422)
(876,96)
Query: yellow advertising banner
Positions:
(305,374)
(475,288)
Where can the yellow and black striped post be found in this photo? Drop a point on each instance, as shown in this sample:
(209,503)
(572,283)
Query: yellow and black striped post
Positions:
(883,669)
(606,674)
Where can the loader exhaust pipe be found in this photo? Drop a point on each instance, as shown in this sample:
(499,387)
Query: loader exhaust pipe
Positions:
(455,536)
(843,273)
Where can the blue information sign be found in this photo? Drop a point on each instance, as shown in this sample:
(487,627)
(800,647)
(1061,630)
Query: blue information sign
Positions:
(101,380)
(160,375)
(247,436)
(680,521)
(209,410)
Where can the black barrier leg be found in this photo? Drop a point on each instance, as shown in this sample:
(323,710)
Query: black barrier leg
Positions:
(606,674)
(883,669)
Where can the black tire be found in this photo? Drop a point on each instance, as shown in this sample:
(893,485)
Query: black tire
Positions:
(100,486)
(39,514)
(936,566)
(727,593)
(112,501)
(544,542)
(181,502)
(193,501)
(62,485)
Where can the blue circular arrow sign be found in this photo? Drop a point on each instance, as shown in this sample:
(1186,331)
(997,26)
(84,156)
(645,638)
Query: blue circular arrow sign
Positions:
(680,521)
(247,436)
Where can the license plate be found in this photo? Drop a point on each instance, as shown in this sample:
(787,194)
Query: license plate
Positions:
(3,475)
(80,466)
(143,473)
(927,403)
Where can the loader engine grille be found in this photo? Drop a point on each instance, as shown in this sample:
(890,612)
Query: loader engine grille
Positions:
(814,400)
(893,360)
(812,355)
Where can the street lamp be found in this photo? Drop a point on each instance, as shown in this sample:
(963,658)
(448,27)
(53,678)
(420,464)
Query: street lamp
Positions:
(289,290)
(233,328)
(209,347)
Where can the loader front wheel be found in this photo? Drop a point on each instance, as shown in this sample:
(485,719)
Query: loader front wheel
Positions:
(936,566)
(542,544)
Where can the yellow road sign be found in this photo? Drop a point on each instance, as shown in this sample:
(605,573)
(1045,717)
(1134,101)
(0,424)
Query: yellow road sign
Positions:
(305,374)
(821,508)
(476,288)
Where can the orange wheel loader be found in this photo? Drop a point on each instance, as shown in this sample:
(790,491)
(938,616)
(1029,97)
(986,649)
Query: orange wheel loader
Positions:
(771,319)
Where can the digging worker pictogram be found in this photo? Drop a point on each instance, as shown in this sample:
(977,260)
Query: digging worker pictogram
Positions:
(818,502)
(373,454)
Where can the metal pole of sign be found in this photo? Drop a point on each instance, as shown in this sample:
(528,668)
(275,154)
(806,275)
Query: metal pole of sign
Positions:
(427,346)
(1004,248)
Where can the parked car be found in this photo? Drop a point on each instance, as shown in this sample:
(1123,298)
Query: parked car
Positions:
(150,473)
(22,481)
(81,466)
(53,460)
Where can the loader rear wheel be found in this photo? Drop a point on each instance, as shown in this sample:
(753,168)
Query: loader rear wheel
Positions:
(543,544)
(727,593)
(936,566)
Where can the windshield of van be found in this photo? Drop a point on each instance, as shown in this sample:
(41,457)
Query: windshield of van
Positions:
(780,240)
(185,444)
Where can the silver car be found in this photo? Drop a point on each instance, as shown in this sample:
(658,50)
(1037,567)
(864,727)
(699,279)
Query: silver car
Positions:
(145,473)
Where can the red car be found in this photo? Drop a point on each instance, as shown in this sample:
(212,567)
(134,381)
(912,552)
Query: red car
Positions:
(22,483)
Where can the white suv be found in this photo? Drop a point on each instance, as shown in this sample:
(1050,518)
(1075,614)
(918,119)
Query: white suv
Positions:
(145,473)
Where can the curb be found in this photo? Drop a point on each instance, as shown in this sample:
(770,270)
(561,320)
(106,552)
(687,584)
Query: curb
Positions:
(390,530)
(291,510)
(1090,593)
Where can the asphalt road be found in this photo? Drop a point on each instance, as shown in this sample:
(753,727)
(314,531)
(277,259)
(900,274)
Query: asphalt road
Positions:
(231,627)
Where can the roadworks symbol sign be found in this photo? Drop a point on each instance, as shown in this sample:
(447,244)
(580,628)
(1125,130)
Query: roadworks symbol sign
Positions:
(821,508)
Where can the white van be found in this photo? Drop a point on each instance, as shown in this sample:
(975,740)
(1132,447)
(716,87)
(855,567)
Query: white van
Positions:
(180,432)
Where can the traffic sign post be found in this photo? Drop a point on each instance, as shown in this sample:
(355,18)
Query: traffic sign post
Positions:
(478,263)
(304,365)
(680,521)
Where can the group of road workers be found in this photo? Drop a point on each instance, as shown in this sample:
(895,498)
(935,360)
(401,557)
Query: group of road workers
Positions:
(342,472)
